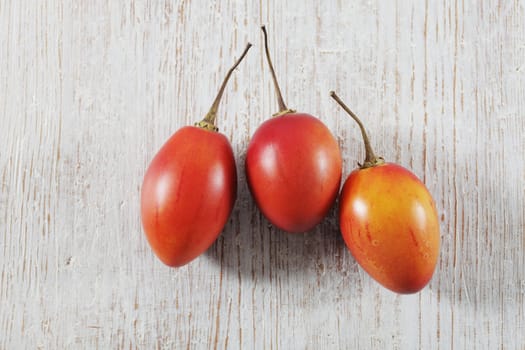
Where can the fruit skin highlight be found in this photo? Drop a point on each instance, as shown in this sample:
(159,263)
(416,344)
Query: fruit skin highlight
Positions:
(389,222)
(293,166)
(189,189)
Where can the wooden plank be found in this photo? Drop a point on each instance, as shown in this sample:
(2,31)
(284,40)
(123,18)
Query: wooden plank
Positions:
(89,91)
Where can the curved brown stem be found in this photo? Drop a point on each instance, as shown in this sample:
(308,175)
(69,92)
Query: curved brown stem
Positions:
(209,120)
(370,158)
(282,106)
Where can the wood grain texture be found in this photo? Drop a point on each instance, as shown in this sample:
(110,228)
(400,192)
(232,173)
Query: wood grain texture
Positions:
(89,91)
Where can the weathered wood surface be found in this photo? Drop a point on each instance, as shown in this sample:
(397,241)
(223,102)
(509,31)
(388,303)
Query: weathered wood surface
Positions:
(89,91)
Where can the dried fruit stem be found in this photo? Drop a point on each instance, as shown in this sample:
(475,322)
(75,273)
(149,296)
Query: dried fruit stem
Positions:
(282,106)
(370,158)
(209,120)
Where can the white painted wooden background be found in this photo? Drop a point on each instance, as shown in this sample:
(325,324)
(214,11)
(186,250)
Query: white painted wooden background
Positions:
(89,91)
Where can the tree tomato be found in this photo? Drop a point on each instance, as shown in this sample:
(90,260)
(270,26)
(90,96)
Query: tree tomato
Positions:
(293,166)
(190,188)
(293,169)
(188,194)
(389,222)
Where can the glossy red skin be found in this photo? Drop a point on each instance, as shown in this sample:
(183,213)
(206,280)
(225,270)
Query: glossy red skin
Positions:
(293,169)
(390,224)
(188,194)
